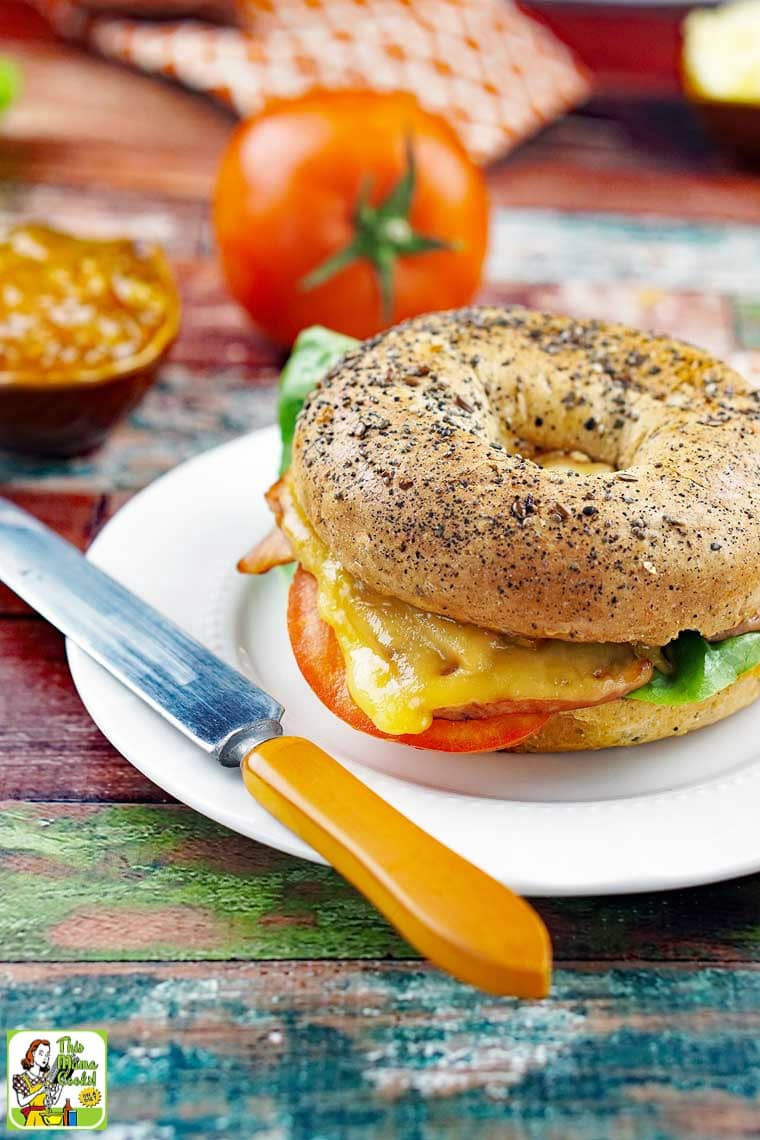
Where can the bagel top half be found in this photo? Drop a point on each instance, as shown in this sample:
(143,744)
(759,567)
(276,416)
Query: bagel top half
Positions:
(412,461)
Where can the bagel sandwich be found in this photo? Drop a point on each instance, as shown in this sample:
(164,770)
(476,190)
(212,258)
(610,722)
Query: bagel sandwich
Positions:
(515,530)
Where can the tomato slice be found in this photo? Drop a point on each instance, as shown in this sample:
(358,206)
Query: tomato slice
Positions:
(320,660)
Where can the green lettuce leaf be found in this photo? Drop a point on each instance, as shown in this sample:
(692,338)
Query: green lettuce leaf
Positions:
(701,669)
(10,82)
(314,353)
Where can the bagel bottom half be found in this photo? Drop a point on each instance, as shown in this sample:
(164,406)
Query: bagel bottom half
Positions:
(623,722)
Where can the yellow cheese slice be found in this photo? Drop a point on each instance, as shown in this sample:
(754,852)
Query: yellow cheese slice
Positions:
(403,664)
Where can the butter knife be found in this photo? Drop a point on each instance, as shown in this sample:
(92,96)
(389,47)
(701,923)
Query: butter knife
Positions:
(452,912)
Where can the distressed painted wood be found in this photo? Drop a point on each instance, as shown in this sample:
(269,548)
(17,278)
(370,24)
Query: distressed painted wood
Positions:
(76,517)
(49,747)
(378,1051)
(160,882)
(63,133)
(144,883)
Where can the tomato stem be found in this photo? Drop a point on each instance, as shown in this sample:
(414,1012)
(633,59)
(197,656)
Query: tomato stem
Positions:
(382,234)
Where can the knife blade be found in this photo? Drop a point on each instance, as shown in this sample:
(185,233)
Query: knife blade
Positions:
(192,688)
(454,913)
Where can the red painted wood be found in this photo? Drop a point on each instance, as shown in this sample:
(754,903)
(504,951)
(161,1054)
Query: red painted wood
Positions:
(75,517)
(70,127)
(596,186)
(49,747)
(216,333)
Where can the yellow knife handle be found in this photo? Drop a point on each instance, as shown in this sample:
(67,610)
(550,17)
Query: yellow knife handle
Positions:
(452,912)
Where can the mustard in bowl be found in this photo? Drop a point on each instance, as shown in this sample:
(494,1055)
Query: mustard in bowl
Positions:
(84,324)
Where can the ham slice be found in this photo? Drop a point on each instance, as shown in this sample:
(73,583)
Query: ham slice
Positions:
(274,549)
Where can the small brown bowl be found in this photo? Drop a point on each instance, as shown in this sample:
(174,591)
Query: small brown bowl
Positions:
(735,127)
(708,41)
(67,412)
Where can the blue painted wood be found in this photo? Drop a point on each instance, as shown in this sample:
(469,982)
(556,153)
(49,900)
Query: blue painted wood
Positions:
(539,246)
(364,1052)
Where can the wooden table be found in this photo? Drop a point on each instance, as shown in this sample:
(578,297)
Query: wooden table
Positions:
(250,994)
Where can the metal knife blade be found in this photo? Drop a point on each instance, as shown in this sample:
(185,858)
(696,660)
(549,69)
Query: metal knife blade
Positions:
(206,699)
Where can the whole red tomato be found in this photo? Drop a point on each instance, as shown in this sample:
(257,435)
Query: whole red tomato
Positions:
(348,209)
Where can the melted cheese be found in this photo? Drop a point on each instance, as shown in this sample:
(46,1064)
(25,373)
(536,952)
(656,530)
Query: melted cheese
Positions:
(404,664)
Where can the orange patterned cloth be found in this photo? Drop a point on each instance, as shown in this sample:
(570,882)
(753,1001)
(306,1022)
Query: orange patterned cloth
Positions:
(494,73)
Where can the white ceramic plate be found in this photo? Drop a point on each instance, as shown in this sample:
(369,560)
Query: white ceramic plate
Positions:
(669,814)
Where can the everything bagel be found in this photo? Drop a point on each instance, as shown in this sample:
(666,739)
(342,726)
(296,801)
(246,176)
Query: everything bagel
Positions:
(415,463)
(519,531)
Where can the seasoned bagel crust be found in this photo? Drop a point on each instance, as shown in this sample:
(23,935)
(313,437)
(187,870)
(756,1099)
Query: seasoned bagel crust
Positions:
(412,462)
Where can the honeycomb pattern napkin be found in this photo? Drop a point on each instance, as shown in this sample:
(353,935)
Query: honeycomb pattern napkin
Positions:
(494,73)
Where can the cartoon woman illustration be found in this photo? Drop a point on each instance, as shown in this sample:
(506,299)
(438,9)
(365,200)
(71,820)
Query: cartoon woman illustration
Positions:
(35,1091)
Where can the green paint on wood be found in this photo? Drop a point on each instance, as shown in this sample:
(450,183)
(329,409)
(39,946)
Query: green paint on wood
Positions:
(366,1052)
(160,882)
(163,882)
(746,314)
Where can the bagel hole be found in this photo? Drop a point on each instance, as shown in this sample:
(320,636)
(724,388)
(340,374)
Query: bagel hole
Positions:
(574,460)
(451,665)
